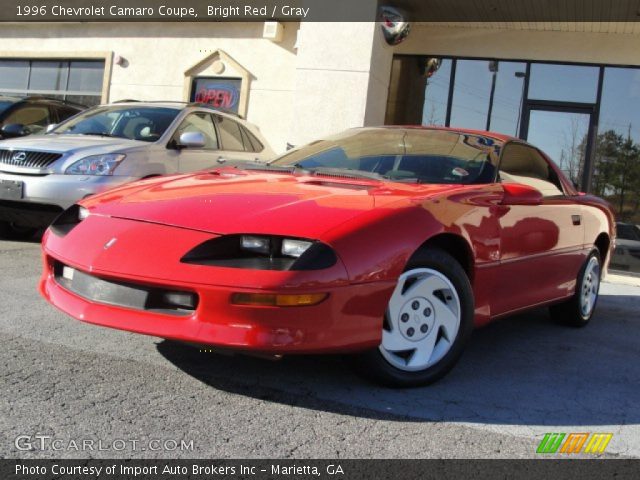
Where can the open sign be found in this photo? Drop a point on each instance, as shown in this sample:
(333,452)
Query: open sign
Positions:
(218,92)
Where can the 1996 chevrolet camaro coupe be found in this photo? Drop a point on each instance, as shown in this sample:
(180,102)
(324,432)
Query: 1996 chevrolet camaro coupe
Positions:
(389,243)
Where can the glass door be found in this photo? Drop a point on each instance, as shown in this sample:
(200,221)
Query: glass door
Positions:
(563,133)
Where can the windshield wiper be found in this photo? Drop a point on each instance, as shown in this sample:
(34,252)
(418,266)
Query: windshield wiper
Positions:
(344,172)
(265,167)
(99,134)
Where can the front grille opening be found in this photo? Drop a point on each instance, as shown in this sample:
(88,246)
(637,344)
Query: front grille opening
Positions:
(125,294)
(27,159)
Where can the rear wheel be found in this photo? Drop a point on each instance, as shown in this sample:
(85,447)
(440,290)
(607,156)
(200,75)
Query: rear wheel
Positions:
(428,321)
(578,310)
(11,231)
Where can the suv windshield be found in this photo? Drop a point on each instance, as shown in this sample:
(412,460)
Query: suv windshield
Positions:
(397,154)
(4,104)
(135,123)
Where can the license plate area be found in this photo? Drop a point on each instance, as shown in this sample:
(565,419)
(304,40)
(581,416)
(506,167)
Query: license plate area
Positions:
(11,189)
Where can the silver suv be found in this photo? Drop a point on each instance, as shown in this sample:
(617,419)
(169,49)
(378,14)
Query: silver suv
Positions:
(108,145)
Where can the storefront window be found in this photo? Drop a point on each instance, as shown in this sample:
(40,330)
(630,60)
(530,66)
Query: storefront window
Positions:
(436,94)
(566,83)
(79,81)
(616,174)
(556,107)
(488,95)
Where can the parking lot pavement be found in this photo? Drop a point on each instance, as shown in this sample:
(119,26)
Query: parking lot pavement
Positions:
(519,378)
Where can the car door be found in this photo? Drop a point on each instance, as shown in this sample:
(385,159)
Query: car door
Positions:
(236,144)
(541,245)
(196,158)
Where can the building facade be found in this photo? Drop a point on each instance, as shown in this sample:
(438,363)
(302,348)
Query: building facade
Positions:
(573,89)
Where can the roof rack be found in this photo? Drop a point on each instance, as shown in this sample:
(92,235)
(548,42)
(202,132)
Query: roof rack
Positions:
(188,104)
(219,109)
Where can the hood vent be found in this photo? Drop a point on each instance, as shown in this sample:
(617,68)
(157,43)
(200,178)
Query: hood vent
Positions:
(330,184)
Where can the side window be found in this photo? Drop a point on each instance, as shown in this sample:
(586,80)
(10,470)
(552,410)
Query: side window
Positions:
(250,141)
(34,117)
(230,135)
(523,164)
(65,112)
(199,122)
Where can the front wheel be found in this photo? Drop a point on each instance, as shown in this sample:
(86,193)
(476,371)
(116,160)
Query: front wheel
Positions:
(578,310)
(428,321)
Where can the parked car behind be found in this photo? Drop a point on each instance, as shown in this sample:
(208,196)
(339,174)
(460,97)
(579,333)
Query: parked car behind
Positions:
(626,256)
(23,116)
(109,145)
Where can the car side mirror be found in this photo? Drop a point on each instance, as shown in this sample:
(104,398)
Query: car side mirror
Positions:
(191,140)
(50,127)
(14,130)
(520,194)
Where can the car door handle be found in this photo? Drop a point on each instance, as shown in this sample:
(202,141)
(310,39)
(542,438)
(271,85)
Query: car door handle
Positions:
(221,160)
(576,219)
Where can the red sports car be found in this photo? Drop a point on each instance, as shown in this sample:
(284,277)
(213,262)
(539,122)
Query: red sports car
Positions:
(389,243)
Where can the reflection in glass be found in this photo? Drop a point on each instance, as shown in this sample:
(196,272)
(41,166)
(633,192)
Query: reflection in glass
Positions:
(436,94)
(616,174)
(472,99)
(566,83)
(562,136)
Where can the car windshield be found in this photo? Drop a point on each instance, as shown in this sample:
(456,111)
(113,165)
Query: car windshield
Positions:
(401,154)
(147,124)
(4,104)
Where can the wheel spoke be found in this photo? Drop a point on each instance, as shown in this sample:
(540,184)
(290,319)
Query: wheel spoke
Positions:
(424,351)
(393,341)
(446,318)
(432,284)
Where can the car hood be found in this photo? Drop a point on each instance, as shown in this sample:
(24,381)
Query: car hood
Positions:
(71,144)
(300,206)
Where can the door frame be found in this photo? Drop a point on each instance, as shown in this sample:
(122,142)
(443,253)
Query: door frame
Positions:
(566,107)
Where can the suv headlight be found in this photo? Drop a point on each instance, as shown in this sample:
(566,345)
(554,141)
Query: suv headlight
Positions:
(96,165)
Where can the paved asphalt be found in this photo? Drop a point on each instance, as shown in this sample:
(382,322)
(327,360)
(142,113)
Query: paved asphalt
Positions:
(520,378)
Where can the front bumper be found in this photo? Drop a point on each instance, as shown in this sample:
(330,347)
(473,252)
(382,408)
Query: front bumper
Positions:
(44,197)
(350,319)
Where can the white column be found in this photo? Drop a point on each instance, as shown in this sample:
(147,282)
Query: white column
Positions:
(342,77)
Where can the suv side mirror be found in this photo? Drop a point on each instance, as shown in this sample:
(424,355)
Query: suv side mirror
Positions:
(14,130)
(191,140)
(50,127)
(520,194)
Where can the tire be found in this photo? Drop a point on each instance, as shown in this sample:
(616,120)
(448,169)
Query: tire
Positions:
(431,312)
(10,231)
(578,310)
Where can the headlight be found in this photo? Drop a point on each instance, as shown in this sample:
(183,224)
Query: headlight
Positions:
(82,213)
(274,246)
(67,220)
(256,244)
(262,252)
(294,248)
(96,165)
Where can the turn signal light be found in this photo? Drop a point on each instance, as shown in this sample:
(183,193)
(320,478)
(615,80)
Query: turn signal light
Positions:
(274,300)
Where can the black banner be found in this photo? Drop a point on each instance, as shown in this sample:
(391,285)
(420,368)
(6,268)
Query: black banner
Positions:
(317,10)
(321,469)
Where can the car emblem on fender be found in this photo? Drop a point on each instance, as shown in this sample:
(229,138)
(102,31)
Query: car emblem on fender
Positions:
(110,243)
(19,156)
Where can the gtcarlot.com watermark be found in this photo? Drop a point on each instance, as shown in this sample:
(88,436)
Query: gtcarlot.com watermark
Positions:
(40,442)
